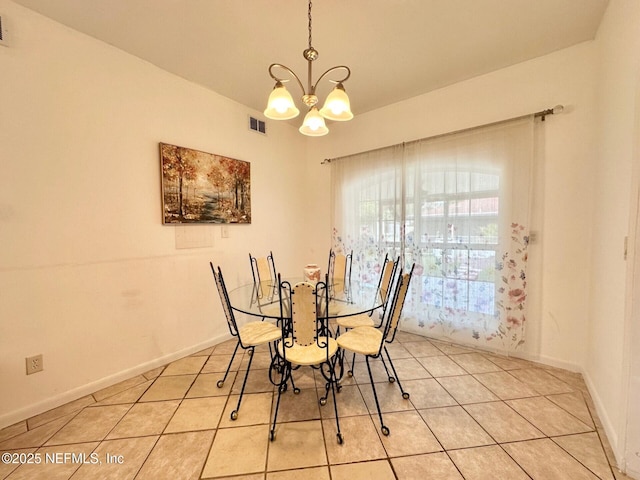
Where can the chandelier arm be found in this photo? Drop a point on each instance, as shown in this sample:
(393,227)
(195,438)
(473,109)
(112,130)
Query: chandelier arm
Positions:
(284,67)
(333,69)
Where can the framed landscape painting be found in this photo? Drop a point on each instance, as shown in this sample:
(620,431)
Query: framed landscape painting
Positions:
(199,187)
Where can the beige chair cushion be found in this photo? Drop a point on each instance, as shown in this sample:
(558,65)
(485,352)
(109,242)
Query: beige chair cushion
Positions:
(259,333)
(309,354)
(343,308)
(356,321)
(363,340)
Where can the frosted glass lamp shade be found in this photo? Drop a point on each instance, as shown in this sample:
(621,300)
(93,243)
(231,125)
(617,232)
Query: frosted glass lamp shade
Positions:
(313,124)
(337,106)
(280,105)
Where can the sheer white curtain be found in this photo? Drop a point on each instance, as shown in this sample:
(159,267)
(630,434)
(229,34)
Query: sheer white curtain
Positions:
(366,192)
(458,206)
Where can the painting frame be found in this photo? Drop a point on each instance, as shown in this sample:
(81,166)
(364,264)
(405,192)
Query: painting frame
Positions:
(203,188)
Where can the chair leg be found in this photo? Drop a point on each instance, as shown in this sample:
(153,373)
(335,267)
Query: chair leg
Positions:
(234,414)
(331,384)
(405,395)
(284,378)
(337,361)
(328,380)
(353,365)
(220,383)
(334,382)
(296,390)
(383,427)
(390,377)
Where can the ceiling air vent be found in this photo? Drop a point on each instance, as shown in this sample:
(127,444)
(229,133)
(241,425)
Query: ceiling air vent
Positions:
(257,125)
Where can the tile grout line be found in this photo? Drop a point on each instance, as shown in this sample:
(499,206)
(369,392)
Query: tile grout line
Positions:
(388,458)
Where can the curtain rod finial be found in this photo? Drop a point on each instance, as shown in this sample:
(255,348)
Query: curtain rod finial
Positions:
(549,111)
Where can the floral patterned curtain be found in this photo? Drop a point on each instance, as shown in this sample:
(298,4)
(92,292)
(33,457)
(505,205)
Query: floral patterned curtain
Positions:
(456,206)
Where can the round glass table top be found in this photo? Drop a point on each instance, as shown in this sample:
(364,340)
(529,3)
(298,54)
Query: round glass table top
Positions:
(263,299)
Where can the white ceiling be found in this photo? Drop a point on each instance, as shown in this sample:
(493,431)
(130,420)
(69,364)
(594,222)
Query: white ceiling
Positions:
(396,49)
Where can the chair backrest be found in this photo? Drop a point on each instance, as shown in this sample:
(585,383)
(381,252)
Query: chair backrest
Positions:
(397,303)
(339,271)
(386,278)
(308,304)
(224,299)
(264,274)
(386,282)
(304,313)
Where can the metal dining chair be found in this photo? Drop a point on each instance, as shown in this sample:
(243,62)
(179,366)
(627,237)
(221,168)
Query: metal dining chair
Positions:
(305,341)
(339,273)
(249,335)
(265,282)
(385,284)
(371,342)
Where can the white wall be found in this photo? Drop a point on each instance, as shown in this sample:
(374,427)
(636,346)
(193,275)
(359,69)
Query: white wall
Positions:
(557,333)
(618,43)
(584,198)
(89,276)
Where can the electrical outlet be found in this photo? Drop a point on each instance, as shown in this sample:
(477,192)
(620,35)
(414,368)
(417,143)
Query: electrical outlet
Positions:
(35,364)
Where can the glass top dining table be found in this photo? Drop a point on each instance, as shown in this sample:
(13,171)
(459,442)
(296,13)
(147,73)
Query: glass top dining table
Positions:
(263,300)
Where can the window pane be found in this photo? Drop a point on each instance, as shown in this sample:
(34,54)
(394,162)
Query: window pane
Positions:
(388,212)
(368,210)
(482,182)
(482,297)
(432,262)
(459,207)
(433,209)
(463,181)
(432,182)
(482,265)
(455,294)
(432,291)
(454,210)
(484,206)
(484,232)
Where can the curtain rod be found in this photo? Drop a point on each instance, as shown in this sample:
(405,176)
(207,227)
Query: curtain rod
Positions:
(542,114)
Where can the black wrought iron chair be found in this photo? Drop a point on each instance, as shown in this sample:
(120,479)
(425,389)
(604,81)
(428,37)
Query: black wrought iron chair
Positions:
(339,275)
(305,341)
(249,335)
(385,284)
(265,283)
(371,342)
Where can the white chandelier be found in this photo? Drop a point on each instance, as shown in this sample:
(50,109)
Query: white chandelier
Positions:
(336,107)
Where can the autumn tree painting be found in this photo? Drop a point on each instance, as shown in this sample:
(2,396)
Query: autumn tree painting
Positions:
(199,187)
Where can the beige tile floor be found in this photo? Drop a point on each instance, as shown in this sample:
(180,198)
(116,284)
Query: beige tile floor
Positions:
(471,416)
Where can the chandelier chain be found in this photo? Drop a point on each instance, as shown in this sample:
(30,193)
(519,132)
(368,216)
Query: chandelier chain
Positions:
(310,47)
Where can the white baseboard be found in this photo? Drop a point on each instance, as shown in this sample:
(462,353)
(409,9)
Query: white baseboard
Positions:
(554,362)
(610,431)
(37,408)
(612,435)
(608,427)
(632,473)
